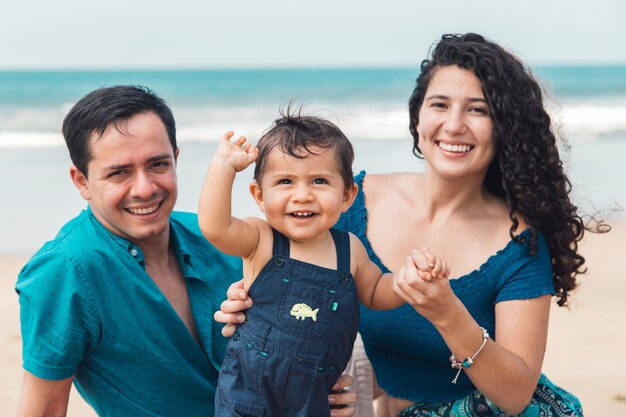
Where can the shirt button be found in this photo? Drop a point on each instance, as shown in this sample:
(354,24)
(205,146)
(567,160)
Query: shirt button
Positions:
(280,262)
(133,252)
(236,336)
(344,279)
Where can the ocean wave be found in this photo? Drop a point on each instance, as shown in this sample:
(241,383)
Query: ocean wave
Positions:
(30,139)
(33,127)
(588,122)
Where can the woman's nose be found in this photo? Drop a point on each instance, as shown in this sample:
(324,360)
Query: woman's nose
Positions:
(455,122)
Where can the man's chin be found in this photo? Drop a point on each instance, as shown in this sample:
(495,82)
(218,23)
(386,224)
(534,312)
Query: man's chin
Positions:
(139,234)
(148,233)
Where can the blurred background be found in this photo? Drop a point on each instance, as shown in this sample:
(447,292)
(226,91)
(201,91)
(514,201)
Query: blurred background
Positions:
(230,65)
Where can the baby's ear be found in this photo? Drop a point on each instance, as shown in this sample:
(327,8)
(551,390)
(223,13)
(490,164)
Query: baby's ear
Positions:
(348,197)
(257,194)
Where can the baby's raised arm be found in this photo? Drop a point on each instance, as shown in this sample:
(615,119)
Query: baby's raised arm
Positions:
(231,235)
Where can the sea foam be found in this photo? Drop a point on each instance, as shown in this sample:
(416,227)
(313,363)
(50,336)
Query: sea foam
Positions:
(580,122)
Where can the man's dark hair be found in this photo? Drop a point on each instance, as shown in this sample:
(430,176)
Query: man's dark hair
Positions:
(110,105)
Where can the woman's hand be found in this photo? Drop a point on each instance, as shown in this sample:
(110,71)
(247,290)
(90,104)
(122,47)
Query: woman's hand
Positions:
(423,283)
(342,401)
(232,309)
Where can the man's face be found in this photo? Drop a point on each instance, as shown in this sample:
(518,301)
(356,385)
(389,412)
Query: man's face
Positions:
(131,185)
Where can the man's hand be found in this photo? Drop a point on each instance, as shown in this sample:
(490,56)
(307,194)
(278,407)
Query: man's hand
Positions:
(342,401)
(232,309)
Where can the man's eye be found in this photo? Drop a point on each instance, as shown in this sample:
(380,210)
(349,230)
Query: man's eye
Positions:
(116,173)
(160,164)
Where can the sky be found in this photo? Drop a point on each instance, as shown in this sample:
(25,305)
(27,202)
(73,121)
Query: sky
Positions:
(127,34)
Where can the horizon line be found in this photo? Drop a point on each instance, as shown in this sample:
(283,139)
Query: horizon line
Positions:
(164,68)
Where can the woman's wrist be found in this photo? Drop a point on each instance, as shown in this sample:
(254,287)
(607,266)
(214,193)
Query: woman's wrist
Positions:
(451,317)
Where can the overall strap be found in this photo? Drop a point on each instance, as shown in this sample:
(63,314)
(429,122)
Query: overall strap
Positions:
(281,244)
(342,245)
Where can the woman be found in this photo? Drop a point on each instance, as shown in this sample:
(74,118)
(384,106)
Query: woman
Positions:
(494,203)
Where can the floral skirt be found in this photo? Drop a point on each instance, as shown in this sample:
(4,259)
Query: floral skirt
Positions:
(548,401)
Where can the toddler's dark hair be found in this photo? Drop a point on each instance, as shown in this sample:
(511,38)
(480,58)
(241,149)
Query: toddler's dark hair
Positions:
(296,134)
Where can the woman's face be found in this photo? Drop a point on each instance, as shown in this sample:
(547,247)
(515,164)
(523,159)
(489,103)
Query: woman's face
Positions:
(455,128)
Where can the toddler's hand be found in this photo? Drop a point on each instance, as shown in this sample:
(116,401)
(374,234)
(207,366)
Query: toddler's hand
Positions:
(237,154)
(429,266)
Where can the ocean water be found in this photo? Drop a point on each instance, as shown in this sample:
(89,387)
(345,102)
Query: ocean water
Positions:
(587,104)
(590,102)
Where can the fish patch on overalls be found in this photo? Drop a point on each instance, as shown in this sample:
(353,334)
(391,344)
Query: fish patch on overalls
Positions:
(301,311)
(297,339)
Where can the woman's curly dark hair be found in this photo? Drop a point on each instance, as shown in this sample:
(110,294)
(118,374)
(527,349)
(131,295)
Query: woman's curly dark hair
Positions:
(527,171)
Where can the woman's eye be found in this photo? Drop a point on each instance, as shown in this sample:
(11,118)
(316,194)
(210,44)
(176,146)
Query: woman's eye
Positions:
(480,110)
(438,105)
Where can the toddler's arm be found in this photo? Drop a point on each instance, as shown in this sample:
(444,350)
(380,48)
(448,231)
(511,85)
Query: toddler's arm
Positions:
(229,234)
(377,292)
(375,288)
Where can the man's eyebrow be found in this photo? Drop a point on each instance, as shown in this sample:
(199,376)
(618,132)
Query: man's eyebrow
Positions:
(160,157)
(116,167)
(151,159)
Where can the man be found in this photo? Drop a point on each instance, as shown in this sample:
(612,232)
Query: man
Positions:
(121,302)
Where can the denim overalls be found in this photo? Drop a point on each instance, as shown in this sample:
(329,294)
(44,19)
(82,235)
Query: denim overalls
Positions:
(297,340)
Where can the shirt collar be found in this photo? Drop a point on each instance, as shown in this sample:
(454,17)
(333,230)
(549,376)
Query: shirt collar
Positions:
(182,250)
(180,245)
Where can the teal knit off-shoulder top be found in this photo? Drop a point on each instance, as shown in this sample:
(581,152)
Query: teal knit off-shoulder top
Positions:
(409,357)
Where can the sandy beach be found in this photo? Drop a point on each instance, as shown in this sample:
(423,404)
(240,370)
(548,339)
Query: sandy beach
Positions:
(585,352)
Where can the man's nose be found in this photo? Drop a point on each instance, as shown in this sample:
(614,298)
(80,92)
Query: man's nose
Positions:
(143,186)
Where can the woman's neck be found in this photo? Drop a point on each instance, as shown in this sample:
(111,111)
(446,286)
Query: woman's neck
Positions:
(444,198)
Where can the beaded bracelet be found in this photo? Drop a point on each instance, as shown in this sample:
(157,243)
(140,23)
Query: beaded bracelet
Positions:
(469,361)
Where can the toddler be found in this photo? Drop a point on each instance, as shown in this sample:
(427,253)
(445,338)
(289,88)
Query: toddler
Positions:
(306,278)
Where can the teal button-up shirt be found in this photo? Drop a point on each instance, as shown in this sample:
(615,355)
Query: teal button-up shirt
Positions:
(89,309)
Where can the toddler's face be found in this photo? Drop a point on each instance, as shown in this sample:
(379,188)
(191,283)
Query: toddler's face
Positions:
(302,197)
